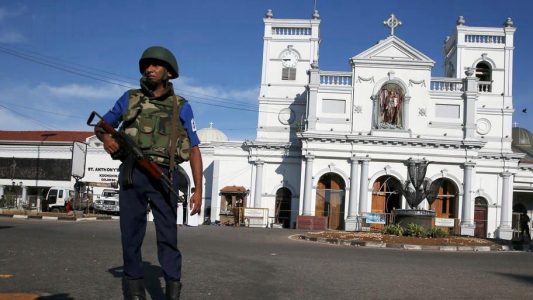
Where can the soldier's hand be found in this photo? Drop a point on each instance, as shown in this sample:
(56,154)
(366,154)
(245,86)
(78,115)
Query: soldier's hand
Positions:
(110,144)
(195,203)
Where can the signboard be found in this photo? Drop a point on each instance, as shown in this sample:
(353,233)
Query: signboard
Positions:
(444,222)
(256,217)
(372,218)
(79,153)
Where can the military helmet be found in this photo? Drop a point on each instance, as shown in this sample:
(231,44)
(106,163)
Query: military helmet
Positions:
(162,54)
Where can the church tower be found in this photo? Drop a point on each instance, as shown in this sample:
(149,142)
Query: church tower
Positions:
(290,46)
(485,54)
(488,50)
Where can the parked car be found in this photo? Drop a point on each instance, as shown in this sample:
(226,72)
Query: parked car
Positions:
(108,202)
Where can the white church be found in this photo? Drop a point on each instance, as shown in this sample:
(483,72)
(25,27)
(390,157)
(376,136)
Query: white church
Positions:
(333,146)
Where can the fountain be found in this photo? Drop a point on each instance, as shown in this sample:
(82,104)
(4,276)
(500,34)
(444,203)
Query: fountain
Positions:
(417,188)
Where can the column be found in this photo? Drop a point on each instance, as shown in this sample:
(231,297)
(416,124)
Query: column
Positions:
(353,205)
(1,190)
(215,198)
(363,187)
(308,185)
(505,230)
(258,183)
(467,219)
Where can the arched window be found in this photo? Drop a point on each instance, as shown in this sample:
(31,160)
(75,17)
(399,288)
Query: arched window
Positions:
(483,71)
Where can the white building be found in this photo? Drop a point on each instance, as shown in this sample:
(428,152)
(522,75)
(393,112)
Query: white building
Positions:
(333,145)
(336,143)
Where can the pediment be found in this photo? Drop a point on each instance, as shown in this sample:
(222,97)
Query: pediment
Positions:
(395,50)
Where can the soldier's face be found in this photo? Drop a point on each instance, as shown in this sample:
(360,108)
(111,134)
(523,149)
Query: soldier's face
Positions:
(156,73)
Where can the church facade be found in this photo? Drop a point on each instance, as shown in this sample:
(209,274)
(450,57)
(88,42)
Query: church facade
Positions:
(337,144)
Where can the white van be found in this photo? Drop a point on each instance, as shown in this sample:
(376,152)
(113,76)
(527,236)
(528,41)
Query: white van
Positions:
(57,198)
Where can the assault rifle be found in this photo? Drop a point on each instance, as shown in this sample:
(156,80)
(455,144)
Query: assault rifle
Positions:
(130,153)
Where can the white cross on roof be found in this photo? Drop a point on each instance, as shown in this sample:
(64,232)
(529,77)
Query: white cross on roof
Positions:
(392,23)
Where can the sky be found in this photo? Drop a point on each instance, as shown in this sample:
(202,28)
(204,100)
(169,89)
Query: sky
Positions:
(62,59)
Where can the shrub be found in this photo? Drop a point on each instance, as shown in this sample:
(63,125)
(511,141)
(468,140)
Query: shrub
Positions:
(415,230)
(394,229)
(437,233)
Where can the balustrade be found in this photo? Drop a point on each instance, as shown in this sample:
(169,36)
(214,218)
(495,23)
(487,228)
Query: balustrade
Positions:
(332,79)
(485,86)
(291,31)
(484,39)
(446,85)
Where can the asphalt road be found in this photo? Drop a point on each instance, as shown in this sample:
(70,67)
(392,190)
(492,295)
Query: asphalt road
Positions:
(82,260)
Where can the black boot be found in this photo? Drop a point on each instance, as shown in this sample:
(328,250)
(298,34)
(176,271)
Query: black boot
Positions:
(136,289)
(173,289)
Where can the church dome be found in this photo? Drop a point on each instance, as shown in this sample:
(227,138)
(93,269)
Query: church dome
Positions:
(522,137)
(523,143)
(210,134)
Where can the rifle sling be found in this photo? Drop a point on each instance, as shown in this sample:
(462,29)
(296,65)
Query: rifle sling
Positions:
(173,137)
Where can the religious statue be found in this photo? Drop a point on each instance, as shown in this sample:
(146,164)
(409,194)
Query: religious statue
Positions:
(391,98)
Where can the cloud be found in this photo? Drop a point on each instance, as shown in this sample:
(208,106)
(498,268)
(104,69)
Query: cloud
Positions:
(12,37)
(67,106)
(8,36)
(188,88)
(82,91)
(11,13)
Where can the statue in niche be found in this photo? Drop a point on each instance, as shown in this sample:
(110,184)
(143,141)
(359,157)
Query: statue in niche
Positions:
(391,98)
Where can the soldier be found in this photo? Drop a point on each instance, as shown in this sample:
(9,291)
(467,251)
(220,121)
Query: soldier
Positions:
(163,126)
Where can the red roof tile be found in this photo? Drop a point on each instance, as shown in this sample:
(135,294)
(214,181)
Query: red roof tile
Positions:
(46,136)
(233,190)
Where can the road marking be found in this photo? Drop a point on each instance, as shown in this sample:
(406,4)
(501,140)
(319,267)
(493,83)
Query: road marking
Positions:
(18,296)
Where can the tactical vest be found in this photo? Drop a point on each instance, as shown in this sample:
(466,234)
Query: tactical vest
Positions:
(148,122)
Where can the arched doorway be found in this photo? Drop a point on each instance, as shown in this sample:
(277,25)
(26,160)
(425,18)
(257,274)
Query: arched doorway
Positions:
(385,196)
(330,200)
(480,217)
(283,207)
(445,203)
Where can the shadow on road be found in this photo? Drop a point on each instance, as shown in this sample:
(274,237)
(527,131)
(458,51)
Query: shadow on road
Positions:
(152,283)
(524,278)
(56,297)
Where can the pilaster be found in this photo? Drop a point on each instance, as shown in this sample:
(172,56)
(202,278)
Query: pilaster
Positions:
(467,219)
(308,186)
(505,230)
(353,205)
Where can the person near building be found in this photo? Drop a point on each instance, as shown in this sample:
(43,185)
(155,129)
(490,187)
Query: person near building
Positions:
(524,226)
(149,116)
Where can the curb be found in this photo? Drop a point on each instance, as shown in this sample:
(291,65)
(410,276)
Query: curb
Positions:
(59,218)
(372,244)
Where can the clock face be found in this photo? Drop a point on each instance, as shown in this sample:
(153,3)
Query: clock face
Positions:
(289,58)
(286,116)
